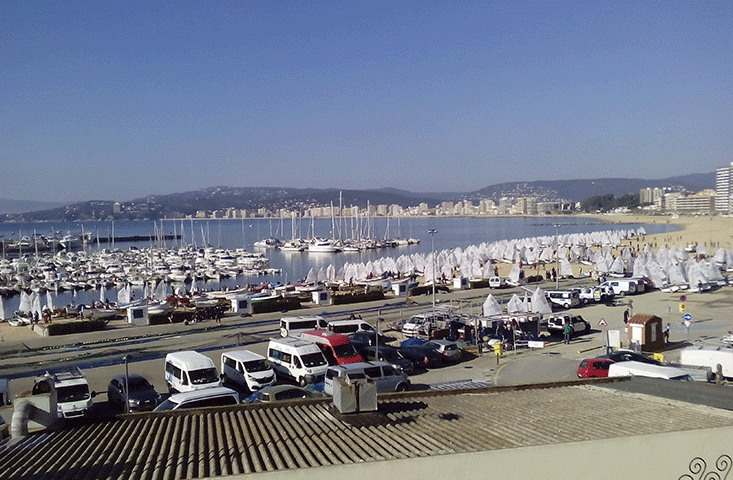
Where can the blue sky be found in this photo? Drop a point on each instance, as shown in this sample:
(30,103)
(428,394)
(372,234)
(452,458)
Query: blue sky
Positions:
(118,100)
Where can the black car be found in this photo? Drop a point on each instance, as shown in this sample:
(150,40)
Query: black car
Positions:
(389,354)
(142,396)
(362,340)
(422,356)
(628,355)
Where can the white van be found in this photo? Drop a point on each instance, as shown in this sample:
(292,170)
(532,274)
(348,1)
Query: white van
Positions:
(247,369)
(349,326)
(189,370)
(710,357)
(294,326)
(384,374)
(620,286)
(639,369)
(206,397)
(563,298)
(300,360)
(73,398)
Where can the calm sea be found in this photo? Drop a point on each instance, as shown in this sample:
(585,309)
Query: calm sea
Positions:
(230,234)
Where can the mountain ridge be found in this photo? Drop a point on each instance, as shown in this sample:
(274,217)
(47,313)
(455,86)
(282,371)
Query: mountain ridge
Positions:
(252,198)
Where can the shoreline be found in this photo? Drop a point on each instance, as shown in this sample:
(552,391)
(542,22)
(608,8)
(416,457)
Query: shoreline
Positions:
(709,233)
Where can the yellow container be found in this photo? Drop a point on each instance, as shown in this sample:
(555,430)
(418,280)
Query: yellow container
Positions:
(498,348)
(659,357)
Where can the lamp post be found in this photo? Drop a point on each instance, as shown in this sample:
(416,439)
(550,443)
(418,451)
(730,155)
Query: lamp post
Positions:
(432,233)
(557,259)
(126,358)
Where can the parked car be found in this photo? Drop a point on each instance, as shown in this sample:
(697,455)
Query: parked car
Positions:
(594,367)
(281,393)
(391,355)
(450,351)
(362,340)
(562,298)
(497,282)
(594,294)
(628,355)
(141,396)
(422,356)
(385,376)
(556,324)
(203,397)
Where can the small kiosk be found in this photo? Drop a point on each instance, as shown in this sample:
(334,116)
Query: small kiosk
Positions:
(242,304)
(460,283)
(645,333)
(322,297)
(138,315)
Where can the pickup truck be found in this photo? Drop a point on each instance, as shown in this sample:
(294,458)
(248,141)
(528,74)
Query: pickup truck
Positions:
(595,294)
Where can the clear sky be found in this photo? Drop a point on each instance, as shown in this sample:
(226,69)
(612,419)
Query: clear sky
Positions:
(115,100)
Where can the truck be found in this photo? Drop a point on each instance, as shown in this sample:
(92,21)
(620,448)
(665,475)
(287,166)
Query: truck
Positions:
(709,357)
(73,398)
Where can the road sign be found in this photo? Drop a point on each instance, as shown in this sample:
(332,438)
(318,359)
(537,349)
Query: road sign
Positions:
(687,317)
(602,323)
(683,307)
(683,298)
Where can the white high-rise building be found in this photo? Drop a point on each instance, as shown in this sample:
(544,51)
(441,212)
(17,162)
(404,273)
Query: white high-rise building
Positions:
(723,191)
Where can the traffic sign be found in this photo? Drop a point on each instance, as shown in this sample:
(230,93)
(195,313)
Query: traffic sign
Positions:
(602,323)
(683,307)
(683,298)
(687,316)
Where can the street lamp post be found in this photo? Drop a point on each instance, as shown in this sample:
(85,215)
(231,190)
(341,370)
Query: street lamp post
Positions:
(557,259)
(126,358)
(432,233)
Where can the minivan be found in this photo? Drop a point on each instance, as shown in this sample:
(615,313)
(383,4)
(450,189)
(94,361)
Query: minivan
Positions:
(190,370)
(349,326)
(386,376)
(207,397)
(247,369)
(299,360)
(563,298)
(294,326)
(336,347)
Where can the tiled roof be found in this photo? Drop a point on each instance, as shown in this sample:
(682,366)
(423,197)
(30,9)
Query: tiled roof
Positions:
(242,439)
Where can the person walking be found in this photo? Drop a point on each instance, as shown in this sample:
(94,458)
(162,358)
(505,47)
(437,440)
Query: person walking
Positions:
(666,333)
(567,332)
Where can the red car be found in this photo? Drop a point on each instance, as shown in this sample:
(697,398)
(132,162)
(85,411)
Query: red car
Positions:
(594,367)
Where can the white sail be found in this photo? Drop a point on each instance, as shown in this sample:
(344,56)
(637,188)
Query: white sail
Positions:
(539,302)
(491,306)
(516,304)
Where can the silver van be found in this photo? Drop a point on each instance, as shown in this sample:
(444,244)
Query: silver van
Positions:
(207,397)
(384,374)
(349,326)
(246,369)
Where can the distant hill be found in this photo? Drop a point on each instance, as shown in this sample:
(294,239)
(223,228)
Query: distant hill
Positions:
(178,205)
(579,190)
(22,206)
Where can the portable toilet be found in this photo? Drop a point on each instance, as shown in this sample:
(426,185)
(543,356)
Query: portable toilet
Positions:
(138,315)
(242,304)
(322,297)
(460,283)
(645,333)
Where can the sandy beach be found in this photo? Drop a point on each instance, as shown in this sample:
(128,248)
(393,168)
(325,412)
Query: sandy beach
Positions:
(709,233)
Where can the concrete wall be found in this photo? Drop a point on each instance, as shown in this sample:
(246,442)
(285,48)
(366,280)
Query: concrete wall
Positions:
(645,456)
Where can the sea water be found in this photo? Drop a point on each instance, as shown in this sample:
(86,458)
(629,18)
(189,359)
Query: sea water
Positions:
(451,232)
